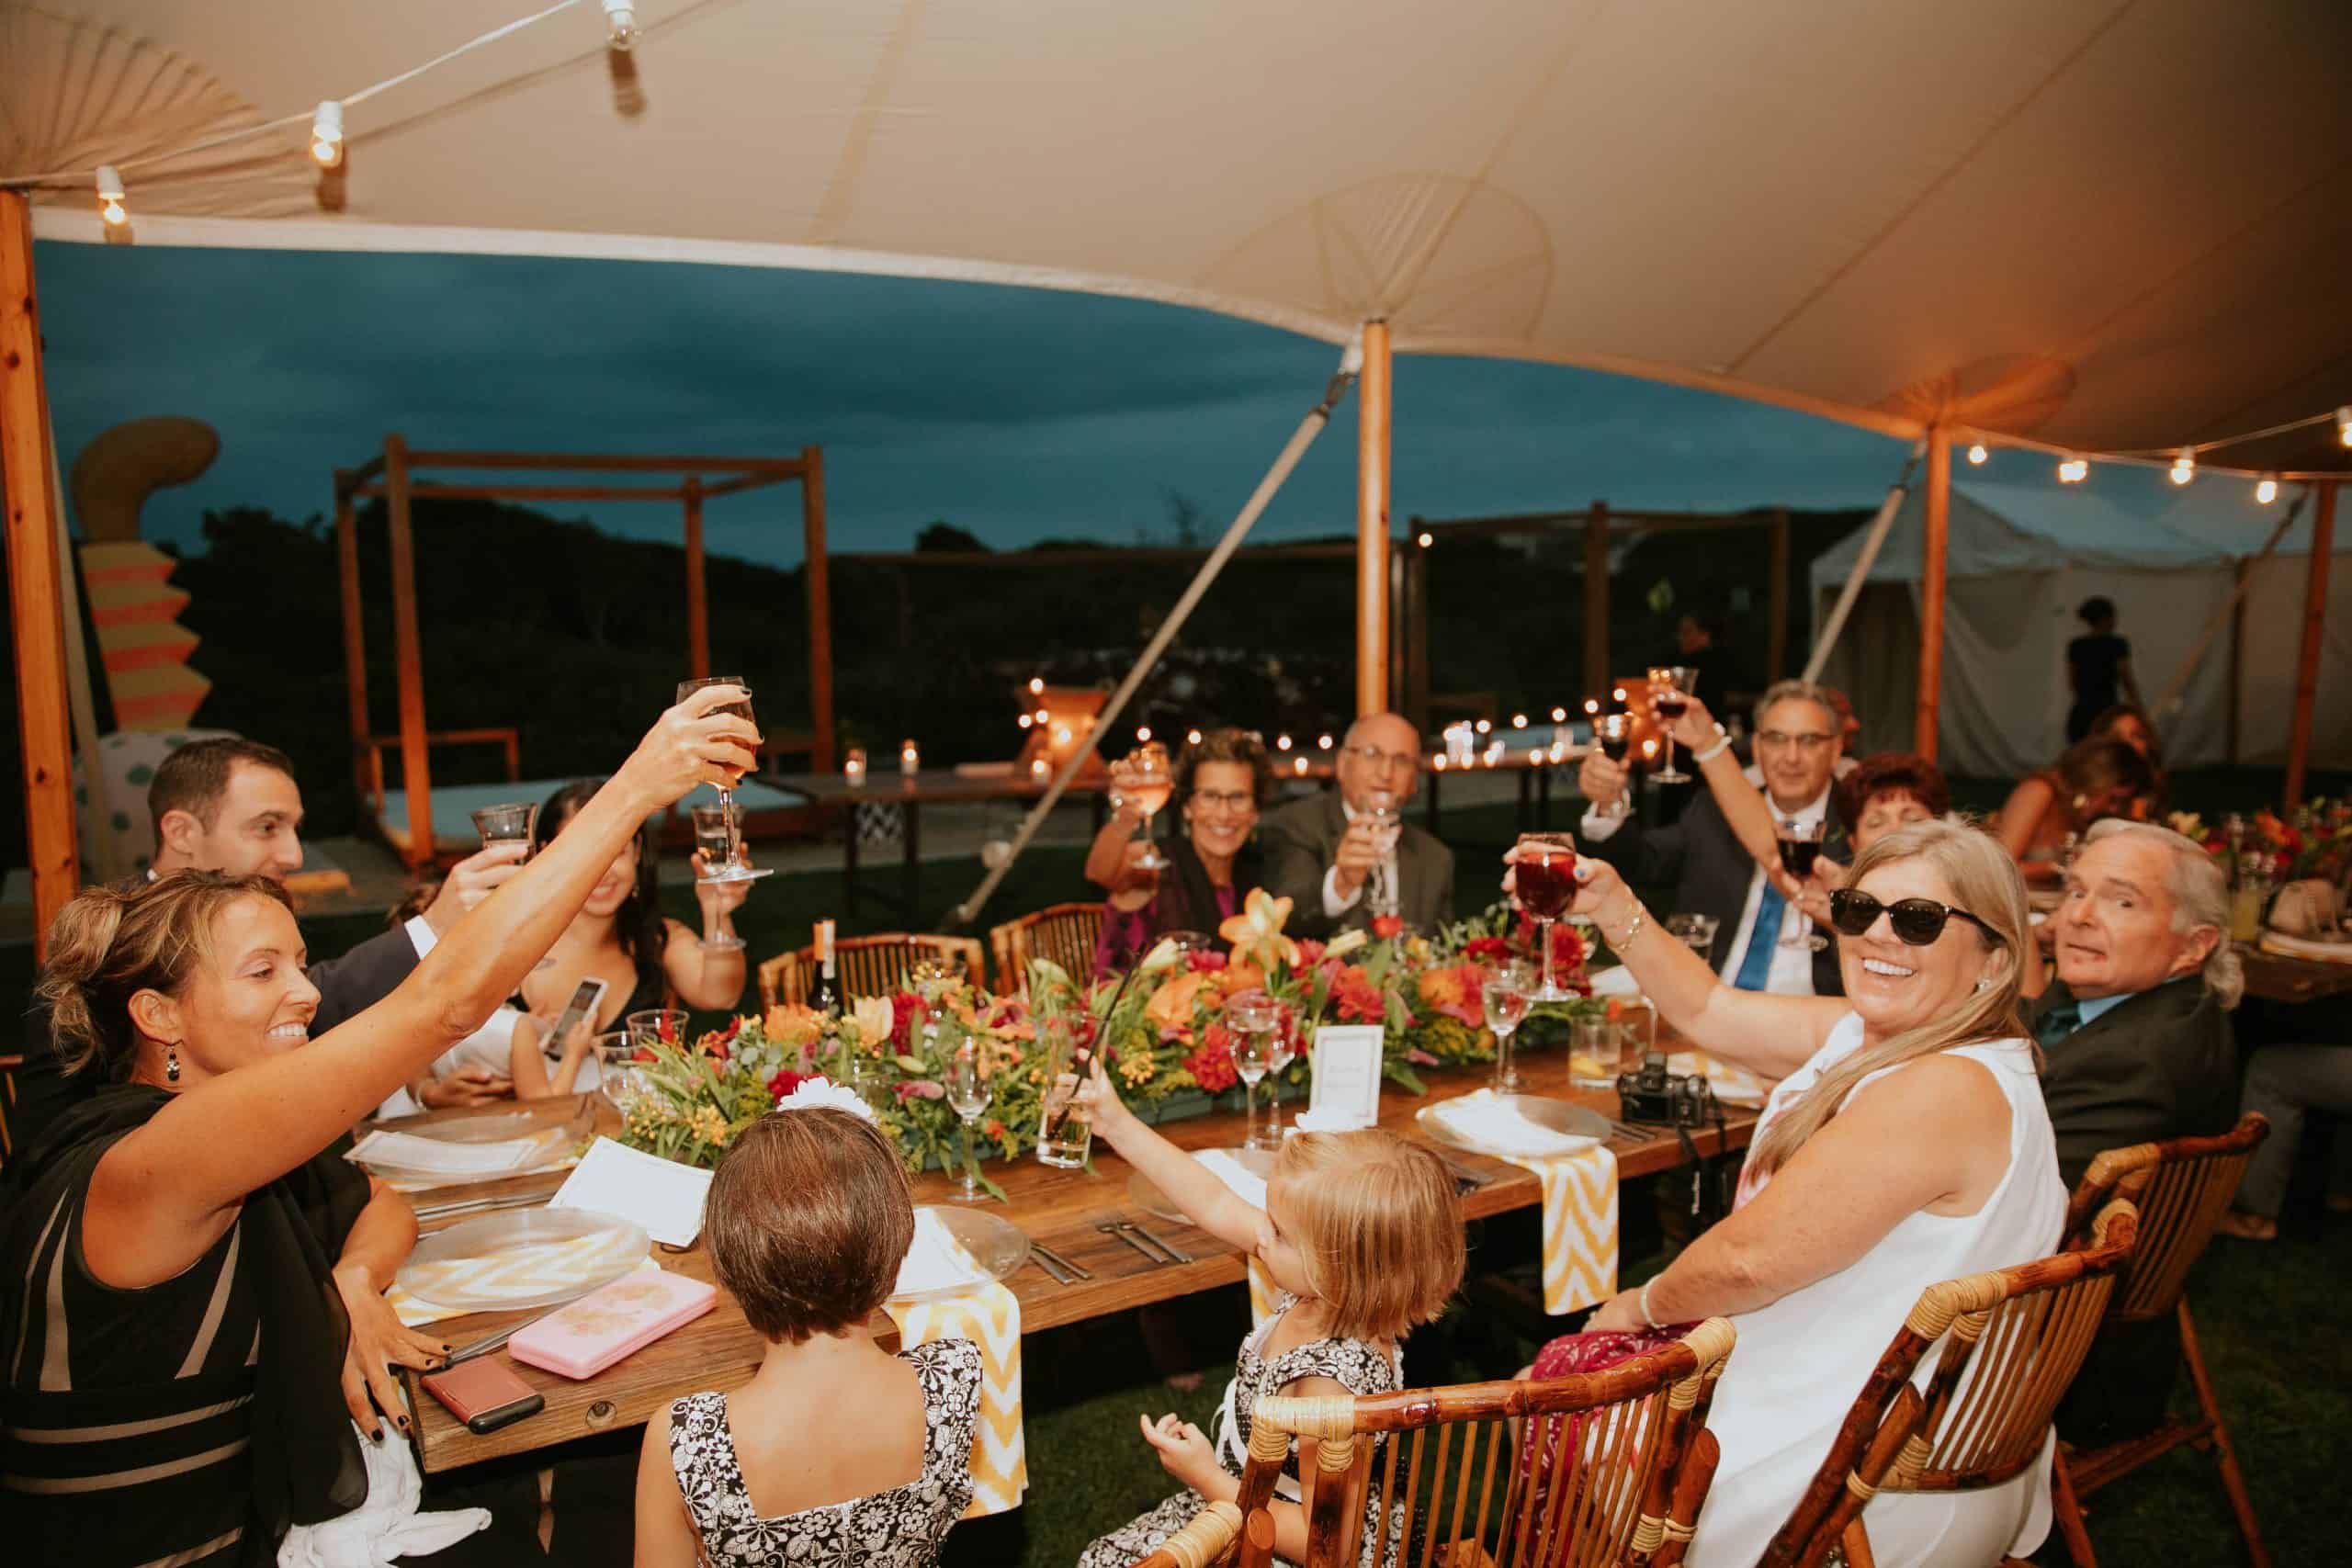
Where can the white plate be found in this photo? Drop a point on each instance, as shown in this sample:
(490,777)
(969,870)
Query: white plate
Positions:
(446,1268)
(1146,1195)
(1552,1115)
(996,1245)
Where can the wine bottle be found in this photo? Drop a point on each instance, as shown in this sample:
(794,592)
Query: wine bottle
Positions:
(826,996)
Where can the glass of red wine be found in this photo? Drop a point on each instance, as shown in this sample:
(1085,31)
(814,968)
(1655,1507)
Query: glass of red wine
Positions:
(1547,883)
(1799,848)
(1671,697)
(733,869)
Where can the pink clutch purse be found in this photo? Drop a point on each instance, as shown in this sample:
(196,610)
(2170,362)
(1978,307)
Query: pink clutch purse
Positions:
(626,1316)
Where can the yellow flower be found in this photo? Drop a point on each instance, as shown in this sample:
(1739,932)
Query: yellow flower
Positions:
(1136,1068)
(792,1025)
(874,1019)
(1256,934)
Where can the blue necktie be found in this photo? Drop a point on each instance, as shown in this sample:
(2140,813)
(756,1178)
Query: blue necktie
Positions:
(1756,966)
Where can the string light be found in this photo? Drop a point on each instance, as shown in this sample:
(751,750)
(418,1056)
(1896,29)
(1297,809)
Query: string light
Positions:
(1977,454)
(1485,724)
(1192,737)
(1322,743)
(1282,743)
(1559,715)
(1043,716)
(2344,424)
(327,134)
(2266,489)
(2074,471)
(1518,721)
(1027,719)
(1143,735)
(620,25)
(2183,468)
(110,198)
(1437,762)
(1036,685)
(1426,540)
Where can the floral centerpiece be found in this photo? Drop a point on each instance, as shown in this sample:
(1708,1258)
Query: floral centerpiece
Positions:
(1161,1030)
(2314,840)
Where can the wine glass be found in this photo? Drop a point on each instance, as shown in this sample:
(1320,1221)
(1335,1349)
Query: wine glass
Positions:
(1670,696)
(1387,827)
(1546,881)
(1800,848)
(1696,932)
(512,823)
(1146,785)
(714,840)
(1613,733)
(731,868)
(1280,1054)
(1255,1018)
(1505,996)
(968,1096)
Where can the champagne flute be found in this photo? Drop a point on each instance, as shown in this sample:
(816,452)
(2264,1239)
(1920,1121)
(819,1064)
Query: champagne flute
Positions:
(1387,827)
(1504,995)
(1670,696)
(1280,1054)
(714,840)
(1547,883)
(732,868)
(968,1096)
(512,823)
(1149,786)
(1800,848)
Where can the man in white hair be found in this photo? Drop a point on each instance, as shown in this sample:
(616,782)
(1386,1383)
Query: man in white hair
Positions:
(2136,1028)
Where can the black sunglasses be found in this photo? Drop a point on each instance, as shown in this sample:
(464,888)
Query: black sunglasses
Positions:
(1919,922)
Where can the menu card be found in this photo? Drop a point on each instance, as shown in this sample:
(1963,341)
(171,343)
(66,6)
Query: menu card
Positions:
(662,1196)
(1346,1094)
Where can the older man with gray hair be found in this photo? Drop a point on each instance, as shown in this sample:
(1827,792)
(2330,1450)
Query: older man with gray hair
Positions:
(2137,1027)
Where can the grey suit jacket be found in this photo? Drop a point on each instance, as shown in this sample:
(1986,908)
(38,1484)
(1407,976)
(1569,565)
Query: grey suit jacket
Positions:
(1301,840)
(2161,1065)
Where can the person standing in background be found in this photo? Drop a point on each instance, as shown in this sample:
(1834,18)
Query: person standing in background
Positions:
(2098,668)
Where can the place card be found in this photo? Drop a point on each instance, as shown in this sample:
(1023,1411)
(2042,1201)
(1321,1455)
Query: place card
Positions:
(660,1197)
(1346,1078)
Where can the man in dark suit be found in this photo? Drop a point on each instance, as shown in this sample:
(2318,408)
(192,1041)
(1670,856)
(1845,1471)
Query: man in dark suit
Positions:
(2136,1033)
(1797,746)
(232,805)
(1327,853)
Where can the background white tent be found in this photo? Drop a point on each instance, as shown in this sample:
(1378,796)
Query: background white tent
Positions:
(2023,556)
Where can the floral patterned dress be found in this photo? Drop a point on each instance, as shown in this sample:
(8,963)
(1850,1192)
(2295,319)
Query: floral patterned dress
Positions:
(1356,1365)
(899,1528)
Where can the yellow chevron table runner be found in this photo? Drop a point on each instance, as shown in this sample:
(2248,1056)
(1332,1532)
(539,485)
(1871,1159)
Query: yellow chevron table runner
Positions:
(525,1273)
(1579,1216)
(989,1316)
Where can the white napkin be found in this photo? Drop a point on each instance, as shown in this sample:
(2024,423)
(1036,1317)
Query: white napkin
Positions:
(1325,1119)
(388,1526)
(936,1261)
(1247,1184)
(441,1157)
(1485,1119)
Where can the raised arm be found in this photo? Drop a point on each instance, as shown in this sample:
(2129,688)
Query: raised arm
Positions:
(176,1180)
(705,976)
(1189,1184)
(1744,806)
(1772,1036)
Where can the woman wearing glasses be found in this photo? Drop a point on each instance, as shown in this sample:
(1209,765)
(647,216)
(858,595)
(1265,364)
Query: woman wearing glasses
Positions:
(1905,1144)
(1220,786)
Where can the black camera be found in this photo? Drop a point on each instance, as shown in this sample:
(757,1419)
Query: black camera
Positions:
(1663,1099)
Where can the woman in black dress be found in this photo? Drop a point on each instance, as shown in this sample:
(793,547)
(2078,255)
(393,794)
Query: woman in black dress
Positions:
(2098,668)
(179,1384)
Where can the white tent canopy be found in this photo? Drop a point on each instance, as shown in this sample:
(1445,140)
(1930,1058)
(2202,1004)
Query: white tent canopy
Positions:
(2022,557)
(2101,225)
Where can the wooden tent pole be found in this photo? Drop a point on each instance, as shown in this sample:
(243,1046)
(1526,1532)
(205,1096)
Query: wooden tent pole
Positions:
(1596,600)
(408,653)
(1931,593)
(29,473)
(820,611)
(1372,419)
(697,587)
(1776,661)
(355,632)
(2299,741)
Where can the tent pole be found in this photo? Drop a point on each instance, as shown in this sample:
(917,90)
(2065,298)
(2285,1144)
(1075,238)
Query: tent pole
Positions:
(355,631)
(1863,561)
(697,586)
(820,610)
(1596,600)
(1932,591)
(2299,742)
(1372,410)
(29,472)
(408,654)
(1776,661)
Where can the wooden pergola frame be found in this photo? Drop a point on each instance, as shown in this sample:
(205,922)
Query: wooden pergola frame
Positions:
(392,477)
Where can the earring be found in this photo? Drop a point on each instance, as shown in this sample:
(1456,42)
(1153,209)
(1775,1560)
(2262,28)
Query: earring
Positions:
(1985,981)
(171,1064)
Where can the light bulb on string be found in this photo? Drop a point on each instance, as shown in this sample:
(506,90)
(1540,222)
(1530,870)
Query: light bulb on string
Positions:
(327,134)
(2344,424)
(2266,489)
(1282,743)
(2183,468)
(1559,715)
(620,25)
(1977,454)
(1192,737)
(1518,721)
(1322,743)
(2074,471)
(1426,540)
(110,198)
(1143,735)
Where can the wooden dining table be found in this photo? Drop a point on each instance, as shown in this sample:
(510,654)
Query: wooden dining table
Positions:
(1060,1209)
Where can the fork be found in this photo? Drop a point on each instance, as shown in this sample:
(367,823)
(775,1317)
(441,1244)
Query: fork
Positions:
(1060,1261)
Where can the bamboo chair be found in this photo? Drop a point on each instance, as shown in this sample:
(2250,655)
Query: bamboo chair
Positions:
(2182,1187)
(1634,1462)
(1065,934)
(1208,1538)
(2014,1337)
(869,965)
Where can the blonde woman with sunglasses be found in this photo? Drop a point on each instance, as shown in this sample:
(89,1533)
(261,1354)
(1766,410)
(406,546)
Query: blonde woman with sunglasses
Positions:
(1905,1142)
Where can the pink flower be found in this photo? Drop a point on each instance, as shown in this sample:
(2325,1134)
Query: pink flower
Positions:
(1420,1058)
(919,1088)
(1204,963)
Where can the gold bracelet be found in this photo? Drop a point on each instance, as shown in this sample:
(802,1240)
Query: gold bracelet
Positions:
(1632,930)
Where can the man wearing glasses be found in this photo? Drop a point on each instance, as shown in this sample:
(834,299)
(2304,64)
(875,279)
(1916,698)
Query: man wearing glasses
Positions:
(1346,858)
(1797,746)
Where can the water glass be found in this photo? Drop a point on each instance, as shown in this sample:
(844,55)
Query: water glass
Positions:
(1696,932)
(1256,1018)
(968,1096)
(657,1026)
(1281,1053)
(1505,996)
(1596,1057)
(1065,1130)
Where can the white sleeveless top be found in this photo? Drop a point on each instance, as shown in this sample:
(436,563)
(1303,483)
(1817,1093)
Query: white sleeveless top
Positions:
(1800,1361)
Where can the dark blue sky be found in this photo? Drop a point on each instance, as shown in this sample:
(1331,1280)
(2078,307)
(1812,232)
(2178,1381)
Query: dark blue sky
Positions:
(1014,413)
